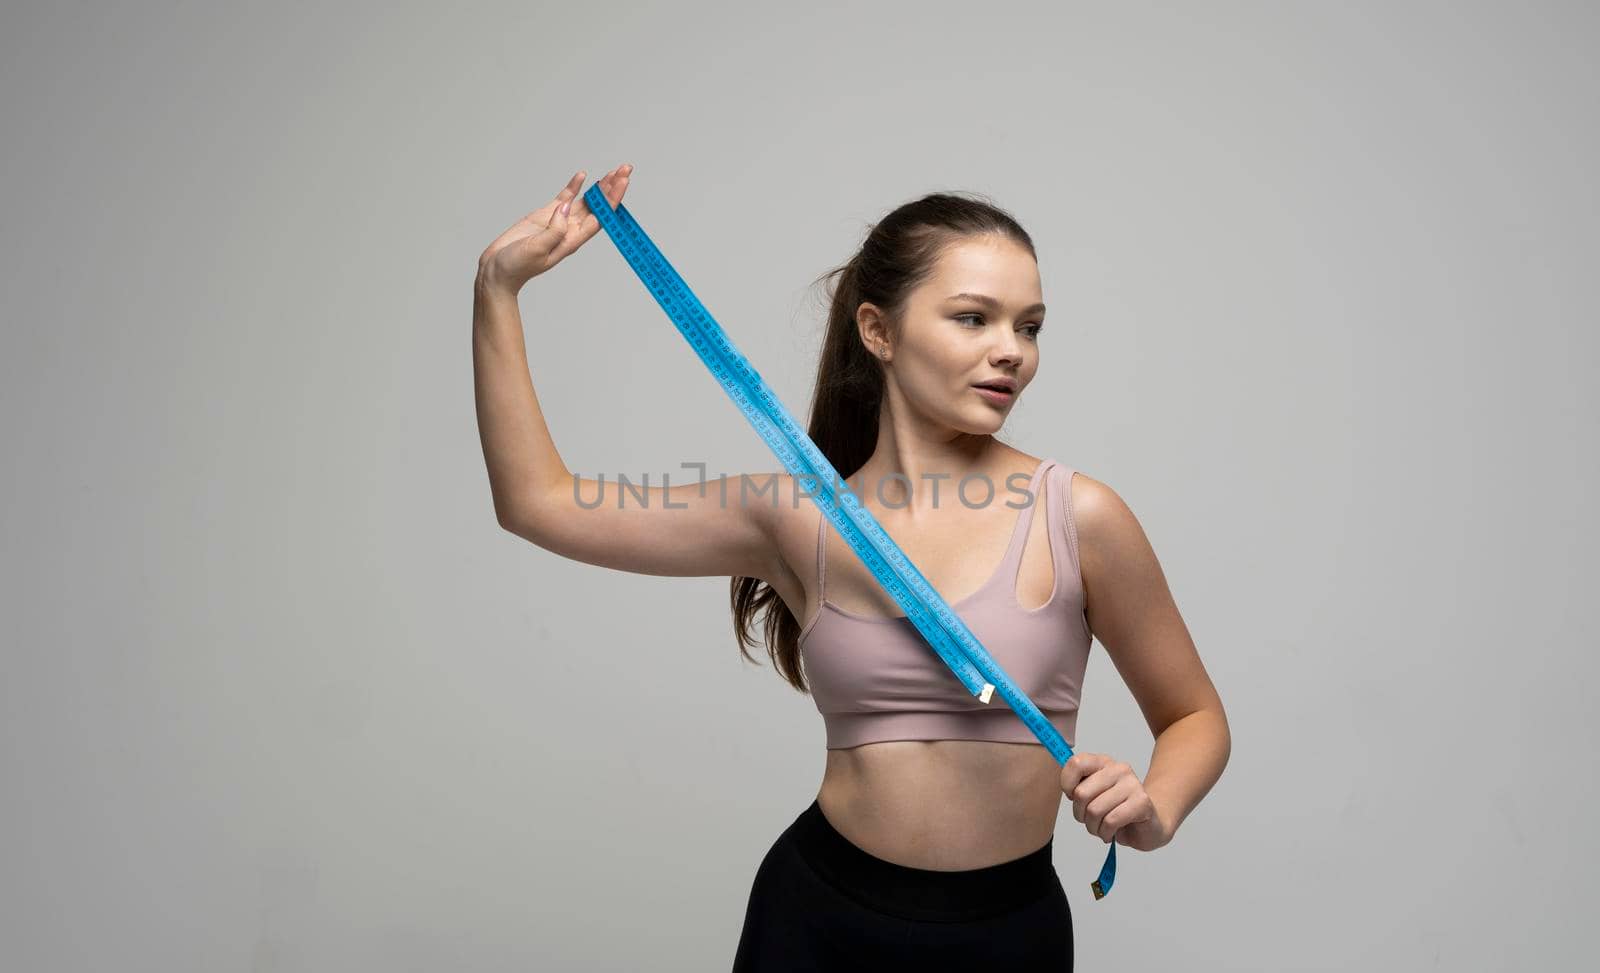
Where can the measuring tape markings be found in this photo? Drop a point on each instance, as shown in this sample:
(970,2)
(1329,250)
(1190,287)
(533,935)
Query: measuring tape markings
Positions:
(946,632)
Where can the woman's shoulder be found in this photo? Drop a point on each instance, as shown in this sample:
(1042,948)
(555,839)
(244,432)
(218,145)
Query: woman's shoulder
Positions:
(1103,523)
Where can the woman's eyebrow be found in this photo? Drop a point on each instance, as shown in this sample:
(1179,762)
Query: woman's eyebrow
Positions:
(990,302)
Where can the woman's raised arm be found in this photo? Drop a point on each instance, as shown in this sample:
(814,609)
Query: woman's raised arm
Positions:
(718,528)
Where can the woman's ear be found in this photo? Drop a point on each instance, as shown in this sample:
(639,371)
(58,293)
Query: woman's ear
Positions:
(873,330)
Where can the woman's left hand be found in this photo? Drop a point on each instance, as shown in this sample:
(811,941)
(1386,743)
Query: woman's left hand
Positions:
(1110,800)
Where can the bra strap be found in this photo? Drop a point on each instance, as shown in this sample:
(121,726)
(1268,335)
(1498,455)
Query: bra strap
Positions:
(1063,530)
(1038,484)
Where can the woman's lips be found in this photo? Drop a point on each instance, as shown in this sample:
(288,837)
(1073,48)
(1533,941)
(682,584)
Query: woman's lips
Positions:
(995,396)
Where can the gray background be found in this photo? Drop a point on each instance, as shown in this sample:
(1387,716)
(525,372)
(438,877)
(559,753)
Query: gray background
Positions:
(278,694)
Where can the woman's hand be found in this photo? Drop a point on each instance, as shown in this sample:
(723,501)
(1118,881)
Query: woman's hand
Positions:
(1111,802)
(543,238)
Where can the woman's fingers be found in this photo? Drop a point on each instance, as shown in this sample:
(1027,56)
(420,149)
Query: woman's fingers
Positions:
(536,221)
(570,189)
(581,207)
(616,183)
(545,215)
(612,185)
(580,224)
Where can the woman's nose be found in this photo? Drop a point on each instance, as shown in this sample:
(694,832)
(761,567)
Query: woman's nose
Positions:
(1007,349)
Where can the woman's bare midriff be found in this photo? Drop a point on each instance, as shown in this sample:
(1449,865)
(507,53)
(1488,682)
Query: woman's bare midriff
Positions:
(945,805)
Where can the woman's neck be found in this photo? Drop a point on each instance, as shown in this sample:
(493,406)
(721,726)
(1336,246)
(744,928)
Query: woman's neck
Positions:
(912,477)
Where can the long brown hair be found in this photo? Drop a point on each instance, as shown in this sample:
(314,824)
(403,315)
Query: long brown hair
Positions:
(900,252)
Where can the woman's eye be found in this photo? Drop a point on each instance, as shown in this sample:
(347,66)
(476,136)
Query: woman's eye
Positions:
(1032,329)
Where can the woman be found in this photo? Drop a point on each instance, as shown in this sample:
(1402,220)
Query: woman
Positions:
(931,835)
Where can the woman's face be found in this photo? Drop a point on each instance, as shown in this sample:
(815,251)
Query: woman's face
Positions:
(949,344)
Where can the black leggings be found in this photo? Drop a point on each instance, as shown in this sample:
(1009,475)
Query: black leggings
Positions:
(819,902)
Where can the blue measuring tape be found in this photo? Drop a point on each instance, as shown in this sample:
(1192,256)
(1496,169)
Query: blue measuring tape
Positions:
(944,630)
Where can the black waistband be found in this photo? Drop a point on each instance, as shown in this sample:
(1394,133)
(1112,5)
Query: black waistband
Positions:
(920,893)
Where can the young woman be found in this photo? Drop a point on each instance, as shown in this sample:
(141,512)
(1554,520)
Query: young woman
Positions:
(930,838)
